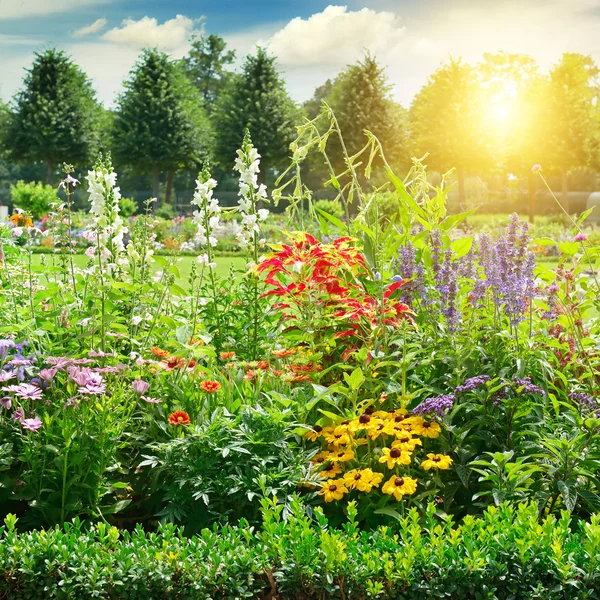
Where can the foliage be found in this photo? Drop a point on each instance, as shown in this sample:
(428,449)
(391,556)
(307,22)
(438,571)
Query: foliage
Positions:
(55,116)
(258,101)
(35,198)
(506,552)
(159,103)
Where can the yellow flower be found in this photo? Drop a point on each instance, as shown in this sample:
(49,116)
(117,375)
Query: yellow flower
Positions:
(314,434)
(333,489)
(394,456)
(406,442)
(363,481)
(342,455)
(437,461)
(376,428)
(320,459)
(382,414)
(430,429)
(399,486)
(363,422)
(330,470)
(340,436)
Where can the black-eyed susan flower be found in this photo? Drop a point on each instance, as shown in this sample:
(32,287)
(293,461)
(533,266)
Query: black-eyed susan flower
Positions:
(440,462)
(394,456)
(313,434)
(320,459)
(362,422)
(362,480)
(399,487)
(376,428)
(333,489)
(342,455)
(406,442)
(430,429)
(340,436)
(330,470)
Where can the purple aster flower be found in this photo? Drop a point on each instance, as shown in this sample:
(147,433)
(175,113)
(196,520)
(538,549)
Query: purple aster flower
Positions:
(440,405)
(31,424)
(7,375)
(25,391)
(471,384)
(6,402)
(151,400)
(19,362)
(140,387)
(94,385)
(19,414)
(47,375)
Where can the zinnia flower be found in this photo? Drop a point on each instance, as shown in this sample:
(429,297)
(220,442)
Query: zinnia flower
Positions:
(333,489)
(227,355)
(394,456)
(179,417)
(158,352)
(209,386)
(437,461)
(362,480)
(399,486)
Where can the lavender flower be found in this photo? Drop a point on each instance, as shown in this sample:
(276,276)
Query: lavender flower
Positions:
(471,384)
(25,391)
(440,405)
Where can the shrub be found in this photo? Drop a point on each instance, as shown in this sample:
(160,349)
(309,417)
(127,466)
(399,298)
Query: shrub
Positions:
(35,198)
(128,207)
(507,553)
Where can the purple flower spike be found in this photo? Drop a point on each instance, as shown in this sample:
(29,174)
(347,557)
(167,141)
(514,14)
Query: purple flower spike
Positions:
(440,406)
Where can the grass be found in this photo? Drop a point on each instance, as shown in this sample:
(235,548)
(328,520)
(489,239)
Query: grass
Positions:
(184,264)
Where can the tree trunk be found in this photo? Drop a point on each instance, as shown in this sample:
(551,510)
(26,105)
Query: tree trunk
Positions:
(49,170)
(170,174)
(531,186)
(155,181)
(461,189)
(564,190)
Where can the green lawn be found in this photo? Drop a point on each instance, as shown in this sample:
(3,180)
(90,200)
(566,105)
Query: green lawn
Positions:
(184,263)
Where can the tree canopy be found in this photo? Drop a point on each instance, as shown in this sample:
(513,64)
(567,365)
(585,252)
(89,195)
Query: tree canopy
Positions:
(55,117)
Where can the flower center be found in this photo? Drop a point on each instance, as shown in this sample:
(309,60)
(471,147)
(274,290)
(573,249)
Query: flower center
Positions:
(318,428)
(357,476)
(364,418)
(399,481)
(427,424)
(404,440)
(399,418)
(436,459)
(395,453)
(332,488)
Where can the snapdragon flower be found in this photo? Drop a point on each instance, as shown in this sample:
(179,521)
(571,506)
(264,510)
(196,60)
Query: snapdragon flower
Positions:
(206,216)
(104,199)
(247,164)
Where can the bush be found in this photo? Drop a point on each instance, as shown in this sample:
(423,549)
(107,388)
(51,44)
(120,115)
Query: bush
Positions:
(506,553)
(127,207)
(35,198)
(165,211)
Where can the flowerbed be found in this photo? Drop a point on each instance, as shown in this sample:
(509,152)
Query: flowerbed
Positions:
(389,369)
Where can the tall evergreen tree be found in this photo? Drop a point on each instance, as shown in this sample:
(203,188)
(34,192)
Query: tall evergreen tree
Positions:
(206,66)
(160,123)
(55,117)
(257,100)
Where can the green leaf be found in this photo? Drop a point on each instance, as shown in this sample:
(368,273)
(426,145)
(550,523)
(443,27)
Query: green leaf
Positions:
(461,246)
(355,379)
(568,490)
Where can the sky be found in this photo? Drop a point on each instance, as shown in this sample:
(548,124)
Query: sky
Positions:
(313,40)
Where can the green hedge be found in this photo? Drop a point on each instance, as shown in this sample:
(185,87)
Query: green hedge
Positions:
(506,553)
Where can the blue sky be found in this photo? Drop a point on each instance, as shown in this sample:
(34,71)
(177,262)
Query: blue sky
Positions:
(312,39)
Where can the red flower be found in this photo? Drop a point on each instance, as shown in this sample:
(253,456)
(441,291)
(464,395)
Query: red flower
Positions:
(179,417)
(263,364)
(210,386)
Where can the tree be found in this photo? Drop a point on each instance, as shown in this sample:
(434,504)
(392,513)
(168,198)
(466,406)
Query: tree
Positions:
(257,100)
(517,114)
(206,65)
(446,122)
(55,117)
(572,99)
(160,123)
(361,100)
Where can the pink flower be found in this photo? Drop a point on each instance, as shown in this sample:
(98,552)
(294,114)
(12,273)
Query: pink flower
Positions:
(139,386)
(151,400)
(6,375)
(31,424)
(24,390)
(580,237)
(90,252)
(47,374)
(536,168)
(19,414)
(6,402)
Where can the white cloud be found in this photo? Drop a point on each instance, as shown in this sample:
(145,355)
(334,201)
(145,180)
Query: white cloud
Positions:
(336,37)
(172,35)
(20,9)
(95,27)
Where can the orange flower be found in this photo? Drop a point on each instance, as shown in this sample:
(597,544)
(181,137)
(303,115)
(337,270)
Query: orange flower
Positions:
(179,417)
(174,362)
(209,386)
(300,378)
(263,364)
(226,355)
(158,352)
(21,221)
(283,353)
